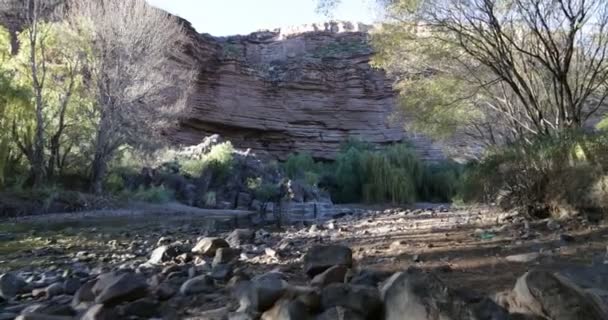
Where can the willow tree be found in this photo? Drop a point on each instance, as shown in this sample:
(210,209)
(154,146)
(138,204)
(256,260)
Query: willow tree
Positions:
(14,107)
(133,74)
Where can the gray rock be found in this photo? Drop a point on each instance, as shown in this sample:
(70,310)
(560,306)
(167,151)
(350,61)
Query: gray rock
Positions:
(71,285)
(54,290)
(49,309)
(226,255)
(370,278)
(221,272)
(208,246)
(38,316)
(143,308)
(200,284)
(165,253)
(261,292)
(553,296)
(165,291)
(320,258)
(7,316)
(114,287)
(100,312)
(239,237)
(11,285)
(364,300)
(84,296)
(523,258)
(335,274)
(241,315)
(286,309)
(414,295)
(339,313)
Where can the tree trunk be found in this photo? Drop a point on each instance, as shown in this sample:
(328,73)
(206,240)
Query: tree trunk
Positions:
(103,151)
(98,172)
(38,159)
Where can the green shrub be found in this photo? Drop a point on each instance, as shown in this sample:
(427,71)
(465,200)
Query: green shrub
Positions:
(441,182)
(551,173)
(262,190)
(348,179)
(157,195)
(389,175)
(393,174)
(219,159)
(299,164)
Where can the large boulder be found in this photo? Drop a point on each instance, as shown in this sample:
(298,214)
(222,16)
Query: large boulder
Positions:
(10,285)
(553,296)
(335,274)
(322,257)
(414,295)
(84,297)
(361,299)
(286,309)
(208,246)
(261,292)
(115,287)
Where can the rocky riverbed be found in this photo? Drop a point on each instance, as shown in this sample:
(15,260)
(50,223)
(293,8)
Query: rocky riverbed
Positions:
(429,263)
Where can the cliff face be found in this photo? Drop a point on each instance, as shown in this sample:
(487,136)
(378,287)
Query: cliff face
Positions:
(297,90)
(307,89)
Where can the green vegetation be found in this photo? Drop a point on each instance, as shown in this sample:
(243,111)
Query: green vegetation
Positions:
(158,195)
(262,190)
(79,90)
(391,175)
(548,174)
(218,159)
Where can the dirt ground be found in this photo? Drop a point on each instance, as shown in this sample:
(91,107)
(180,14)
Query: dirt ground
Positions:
(468,247)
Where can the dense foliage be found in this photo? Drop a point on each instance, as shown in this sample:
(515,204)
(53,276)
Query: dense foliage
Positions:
(549,175)
(391,175)
(81,89)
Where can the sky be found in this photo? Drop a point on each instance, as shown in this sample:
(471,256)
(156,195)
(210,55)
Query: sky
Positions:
(230,17)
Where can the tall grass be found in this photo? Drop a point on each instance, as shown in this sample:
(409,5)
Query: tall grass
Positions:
(394,174)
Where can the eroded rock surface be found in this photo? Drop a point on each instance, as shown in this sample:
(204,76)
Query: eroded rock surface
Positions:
(285,91)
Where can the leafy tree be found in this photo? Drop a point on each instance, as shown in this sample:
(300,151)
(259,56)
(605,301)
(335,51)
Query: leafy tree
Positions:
(133,73)
(498,70)
(14,103)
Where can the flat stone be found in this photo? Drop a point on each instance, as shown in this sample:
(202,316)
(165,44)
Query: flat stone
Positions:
(113,288)
(209,246)
(523,258)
